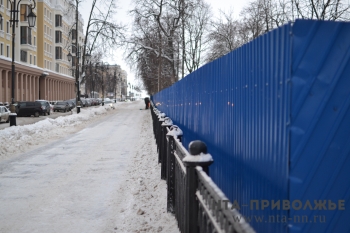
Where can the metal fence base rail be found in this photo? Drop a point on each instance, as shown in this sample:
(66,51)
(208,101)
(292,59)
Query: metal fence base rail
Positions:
(195,200)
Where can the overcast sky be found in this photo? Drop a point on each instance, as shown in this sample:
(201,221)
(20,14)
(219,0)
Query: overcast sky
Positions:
(122,16)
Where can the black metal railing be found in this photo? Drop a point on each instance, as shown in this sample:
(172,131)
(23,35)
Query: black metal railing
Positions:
(195,200)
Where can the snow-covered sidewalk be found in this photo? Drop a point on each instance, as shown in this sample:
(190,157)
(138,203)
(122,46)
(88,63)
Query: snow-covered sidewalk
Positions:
(143,203)
(114,186)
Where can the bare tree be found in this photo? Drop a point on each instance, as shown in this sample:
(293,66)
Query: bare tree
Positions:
(102,34)
(196,28)
(224,36)
(255,21)
(156,24)
(322,10)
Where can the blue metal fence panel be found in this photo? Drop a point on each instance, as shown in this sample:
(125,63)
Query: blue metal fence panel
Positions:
(275,116)
(320,131)
(238,105)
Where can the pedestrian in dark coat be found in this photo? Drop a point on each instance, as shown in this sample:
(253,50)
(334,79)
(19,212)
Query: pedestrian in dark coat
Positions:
(147,102)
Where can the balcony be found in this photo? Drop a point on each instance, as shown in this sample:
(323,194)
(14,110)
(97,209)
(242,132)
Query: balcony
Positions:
(28,47)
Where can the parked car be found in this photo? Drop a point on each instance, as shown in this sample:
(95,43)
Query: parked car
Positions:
(61,106)
(4,114)
(94,102)
(71,104)
(45,105)
(83,103)
(7,105)
(108,102)
(88,102)
(29,108)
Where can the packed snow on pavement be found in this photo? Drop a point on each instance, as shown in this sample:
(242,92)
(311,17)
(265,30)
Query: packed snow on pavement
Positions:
(141,202)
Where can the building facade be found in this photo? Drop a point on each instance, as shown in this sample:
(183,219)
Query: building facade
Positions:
(42,68)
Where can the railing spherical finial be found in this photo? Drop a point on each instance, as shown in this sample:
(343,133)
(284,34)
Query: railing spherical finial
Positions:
(197,147)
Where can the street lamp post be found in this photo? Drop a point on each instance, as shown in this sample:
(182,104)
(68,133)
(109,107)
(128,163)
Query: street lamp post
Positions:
(14,22)
(115,86)
(77,98)
(120,86)
(77,56)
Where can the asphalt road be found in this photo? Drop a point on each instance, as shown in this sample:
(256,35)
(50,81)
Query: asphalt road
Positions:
(32,119)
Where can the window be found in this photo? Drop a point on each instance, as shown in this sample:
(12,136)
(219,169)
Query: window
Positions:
(34,41)
(57,68)
(58,53)
(1,25)
(74,49)
(26,35)
(7,51)
(58,37)
(23,56)
(1,49)
(73,61)
(73,34)
(7,27)
(24,12)
(58,20)
(30,59)
(34,60)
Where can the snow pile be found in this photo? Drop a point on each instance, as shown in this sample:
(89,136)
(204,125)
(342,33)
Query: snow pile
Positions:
(198,158)
(175,131)
(143,206)
(17,139)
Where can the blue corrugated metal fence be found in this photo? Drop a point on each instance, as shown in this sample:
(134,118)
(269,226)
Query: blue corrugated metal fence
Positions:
(275,116)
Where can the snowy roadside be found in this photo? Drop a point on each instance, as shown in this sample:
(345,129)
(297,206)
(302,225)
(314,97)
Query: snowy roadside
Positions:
(19,139)
(142,207)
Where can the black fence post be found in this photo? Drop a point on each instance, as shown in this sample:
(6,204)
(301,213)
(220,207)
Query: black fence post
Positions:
(175,133)
(163,152)
(159,135)
(198,157)
(154,117)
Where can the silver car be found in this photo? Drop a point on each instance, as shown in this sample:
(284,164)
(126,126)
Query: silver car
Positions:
(4,114)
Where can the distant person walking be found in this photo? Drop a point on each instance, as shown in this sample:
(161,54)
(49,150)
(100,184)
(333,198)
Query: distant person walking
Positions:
(147,102)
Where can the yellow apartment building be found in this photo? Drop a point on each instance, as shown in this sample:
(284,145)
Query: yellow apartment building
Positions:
(42,70)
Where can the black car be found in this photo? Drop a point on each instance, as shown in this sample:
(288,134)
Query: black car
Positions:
(71,104)
(29,108)
(61,106)
(45,105)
